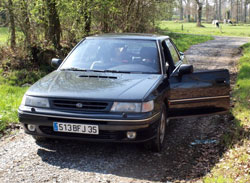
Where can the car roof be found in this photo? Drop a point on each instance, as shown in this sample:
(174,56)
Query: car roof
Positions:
(128,36)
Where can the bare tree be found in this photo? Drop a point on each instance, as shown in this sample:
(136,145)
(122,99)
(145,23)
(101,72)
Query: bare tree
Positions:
(231,8)
(245,10)
(181,9)
(219,10)
(207,10)
(25,25)
(216,9)
(12,26)
(54,27)
(199,13)
(237,11)
(188,10)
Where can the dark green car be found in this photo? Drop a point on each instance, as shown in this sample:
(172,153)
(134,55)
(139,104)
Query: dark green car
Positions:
(121,88)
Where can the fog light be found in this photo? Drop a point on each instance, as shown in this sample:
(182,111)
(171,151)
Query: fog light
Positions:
(31,128)
(131,135)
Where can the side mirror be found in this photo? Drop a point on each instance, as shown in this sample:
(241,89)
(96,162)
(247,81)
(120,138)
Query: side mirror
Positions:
(56,62)
(186,69)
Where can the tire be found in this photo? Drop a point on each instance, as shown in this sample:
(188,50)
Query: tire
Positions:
(157,143)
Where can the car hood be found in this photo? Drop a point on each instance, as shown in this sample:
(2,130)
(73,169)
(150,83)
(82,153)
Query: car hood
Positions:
(92,85)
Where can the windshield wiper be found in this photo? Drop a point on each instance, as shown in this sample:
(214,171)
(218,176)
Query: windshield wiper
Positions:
(129,72)
(79,69)
(116,71)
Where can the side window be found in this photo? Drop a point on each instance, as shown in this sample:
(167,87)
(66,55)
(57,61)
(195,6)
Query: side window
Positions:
(173,51)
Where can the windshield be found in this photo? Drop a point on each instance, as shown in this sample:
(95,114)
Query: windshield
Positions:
(117,55)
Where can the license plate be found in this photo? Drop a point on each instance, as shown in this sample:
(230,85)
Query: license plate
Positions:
(75,128)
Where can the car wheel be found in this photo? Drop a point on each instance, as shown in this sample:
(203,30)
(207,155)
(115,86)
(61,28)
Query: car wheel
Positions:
(157,143)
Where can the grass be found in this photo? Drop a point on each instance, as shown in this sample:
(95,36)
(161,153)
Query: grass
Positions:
(3,35)
(242,30)
(11,97)
(184,41)
(235,163)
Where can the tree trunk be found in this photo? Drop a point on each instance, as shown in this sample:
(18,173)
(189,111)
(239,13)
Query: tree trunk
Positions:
(44,20)
(219,17)
(128,9)
(207,11)
(87,17)
(181,10)
(237,11)
(54,26)
(245,11)
(231,9)
(105,20)
(216,9)
(249,13)
(199,13)
(188,10)
(26,23)
(12,26)
(240,10)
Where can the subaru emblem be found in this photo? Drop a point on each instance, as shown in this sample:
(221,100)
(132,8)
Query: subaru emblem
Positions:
(79,105)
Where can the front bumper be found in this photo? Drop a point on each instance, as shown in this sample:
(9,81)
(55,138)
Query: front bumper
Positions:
(112,129)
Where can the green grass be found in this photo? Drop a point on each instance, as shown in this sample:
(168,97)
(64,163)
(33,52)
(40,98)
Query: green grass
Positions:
(234,167)
(3,35)
(11,97)
(184,41)
(242,89)
(209,29)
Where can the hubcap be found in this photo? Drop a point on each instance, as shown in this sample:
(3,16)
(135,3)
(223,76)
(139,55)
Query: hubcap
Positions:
(162,127)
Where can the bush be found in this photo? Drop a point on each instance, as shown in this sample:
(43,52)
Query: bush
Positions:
(23,76)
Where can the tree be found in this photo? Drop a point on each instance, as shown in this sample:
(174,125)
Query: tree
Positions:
(207,10)
(54,27)
(181,9)
(245,10)
(219,10)
(199,13)
(231,8)
(24,22)
(188,10)
(87,16)
(12,26)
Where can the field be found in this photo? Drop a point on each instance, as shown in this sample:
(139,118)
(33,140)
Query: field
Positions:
(184,41)
(242,30)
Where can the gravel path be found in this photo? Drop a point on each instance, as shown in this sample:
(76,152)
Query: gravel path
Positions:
(24,160)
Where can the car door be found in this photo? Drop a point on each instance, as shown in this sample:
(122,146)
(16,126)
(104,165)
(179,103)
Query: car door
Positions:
(195,93)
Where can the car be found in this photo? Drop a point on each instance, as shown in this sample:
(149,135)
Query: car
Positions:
(121,88)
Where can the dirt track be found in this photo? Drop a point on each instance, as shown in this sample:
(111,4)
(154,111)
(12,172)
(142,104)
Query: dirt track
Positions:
(22,160)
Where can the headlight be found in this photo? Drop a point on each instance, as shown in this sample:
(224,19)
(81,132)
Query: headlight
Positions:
(132,107)
(126,107)
(35,101)
(147,106)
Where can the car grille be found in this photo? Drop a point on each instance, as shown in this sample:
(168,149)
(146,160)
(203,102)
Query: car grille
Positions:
(102,134)
(80,105)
